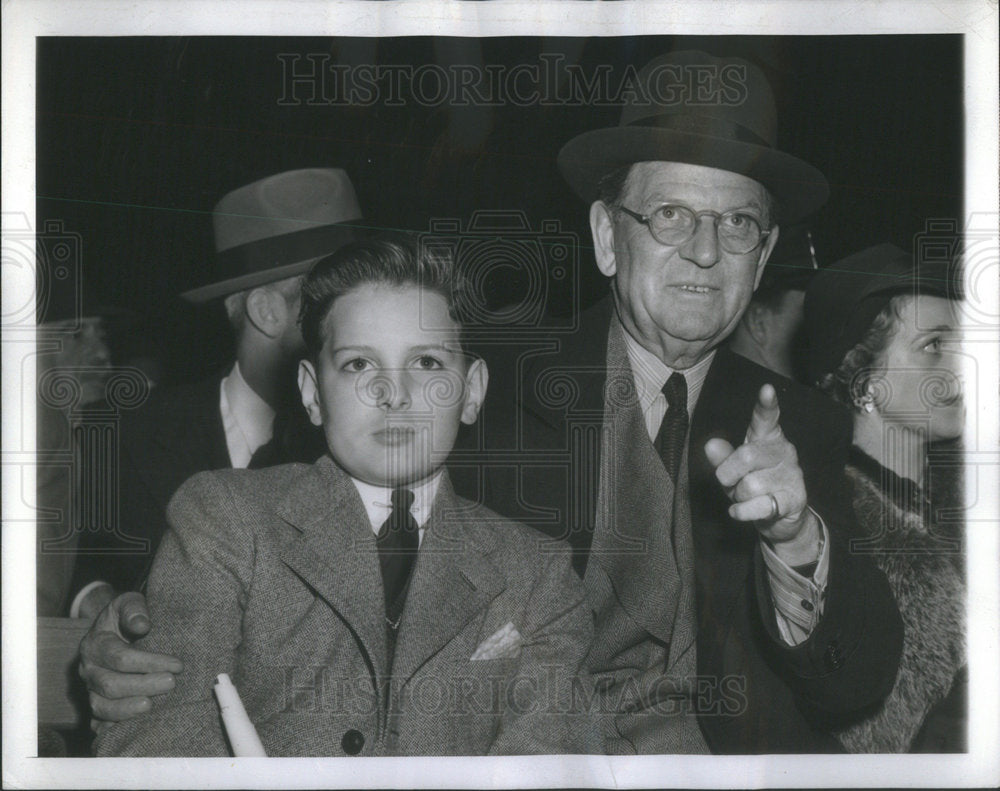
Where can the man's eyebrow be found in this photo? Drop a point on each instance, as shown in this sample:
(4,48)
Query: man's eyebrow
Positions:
(661,199)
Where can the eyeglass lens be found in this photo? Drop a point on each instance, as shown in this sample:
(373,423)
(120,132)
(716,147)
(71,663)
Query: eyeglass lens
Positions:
(737,232)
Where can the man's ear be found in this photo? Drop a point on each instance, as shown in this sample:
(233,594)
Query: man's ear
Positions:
(602,228)
(755,321)
(477,379)
(765,253)
(267,311)
(310,392)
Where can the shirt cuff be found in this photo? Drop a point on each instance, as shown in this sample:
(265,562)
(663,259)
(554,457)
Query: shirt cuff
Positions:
(798,600)
(74,608)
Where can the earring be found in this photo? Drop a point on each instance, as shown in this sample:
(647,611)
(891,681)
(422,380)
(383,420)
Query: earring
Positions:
(865,402)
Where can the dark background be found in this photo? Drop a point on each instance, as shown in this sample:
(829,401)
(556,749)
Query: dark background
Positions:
(137,138)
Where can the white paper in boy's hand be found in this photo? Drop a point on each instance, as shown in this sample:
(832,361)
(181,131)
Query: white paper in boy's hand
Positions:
(242,735)
(505,643)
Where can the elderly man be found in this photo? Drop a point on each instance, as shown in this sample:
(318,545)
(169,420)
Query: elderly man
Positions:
(730,613)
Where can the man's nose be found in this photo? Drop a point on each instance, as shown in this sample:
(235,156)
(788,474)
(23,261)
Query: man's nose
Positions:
(703,246)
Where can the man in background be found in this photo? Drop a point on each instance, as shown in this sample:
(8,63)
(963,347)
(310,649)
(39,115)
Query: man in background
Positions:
(267,236)
(769,331)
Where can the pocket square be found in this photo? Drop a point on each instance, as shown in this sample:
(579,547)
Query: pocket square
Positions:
(504,643)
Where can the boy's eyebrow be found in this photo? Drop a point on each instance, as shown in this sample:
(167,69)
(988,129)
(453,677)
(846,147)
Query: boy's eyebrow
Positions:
(426,347)
(339,349)
(442,347)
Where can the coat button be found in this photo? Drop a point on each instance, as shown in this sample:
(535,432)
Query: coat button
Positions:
(352,742)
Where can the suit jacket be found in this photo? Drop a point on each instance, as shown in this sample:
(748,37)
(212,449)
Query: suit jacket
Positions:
(761,695)
(273,577)
(176,434)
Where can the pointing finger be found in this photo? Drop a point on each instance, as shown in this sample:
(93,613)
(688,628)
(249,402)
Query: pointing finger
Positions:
(764,422)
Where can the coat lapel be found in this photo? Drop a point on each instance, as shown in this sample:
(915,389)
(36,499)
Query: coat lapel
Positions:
(636,500)
(453,582)
(335,553)
(564,394)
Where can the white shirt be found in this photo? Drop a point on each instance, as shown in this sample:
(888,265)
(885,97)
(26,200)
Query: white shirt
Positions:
(378,501)
(247,419)
(798,600)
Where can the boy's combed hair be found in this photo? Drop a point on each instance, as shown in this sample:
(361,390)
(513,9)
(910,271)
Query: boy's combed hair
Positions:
(397,259)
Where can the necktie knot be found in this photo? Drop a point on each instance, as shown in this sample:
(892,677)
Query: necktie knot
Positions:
(402,500)
(676,392)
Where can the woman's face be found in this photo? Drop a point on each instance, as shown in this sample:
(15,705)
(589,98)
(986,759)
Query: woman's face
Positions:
(919,387)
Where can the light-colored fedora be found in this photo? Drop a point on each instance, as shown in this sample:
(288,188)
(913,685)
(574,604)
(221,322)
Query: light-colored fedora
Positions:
(698,109)
(279,227)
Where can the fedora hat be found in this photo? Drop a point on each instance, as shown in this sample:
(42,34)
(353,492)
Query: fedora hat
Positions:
(697,109)
(278,227)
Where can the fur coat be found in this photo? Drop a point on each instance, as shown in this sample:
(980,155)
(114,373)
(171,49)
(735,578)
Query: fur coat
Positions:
(930,592)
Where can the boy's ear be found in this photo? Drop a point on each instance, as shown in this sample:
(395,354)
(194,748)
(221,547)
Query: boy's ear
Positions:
(477,378)
(310,392)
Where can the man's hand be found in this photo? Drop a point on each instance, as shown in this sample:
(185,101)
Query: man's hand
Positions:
(119,677)
(763,479)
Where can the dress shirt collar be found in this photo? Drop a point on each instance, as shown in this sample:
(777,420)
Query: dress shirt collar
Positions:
(247,418)
(378,500)
(651,373)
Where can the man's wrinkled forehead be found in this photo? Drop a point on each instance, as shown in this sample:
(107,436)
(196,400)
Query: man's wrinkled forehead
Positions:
(716,189)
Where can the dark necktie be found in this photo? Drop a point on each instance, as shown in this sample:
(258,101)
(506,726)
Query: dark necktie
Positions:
(398,540)
(673,430)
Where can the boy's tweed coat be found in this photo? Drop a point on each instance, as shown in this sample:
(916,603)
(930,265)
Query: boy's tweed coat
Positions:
(272,576)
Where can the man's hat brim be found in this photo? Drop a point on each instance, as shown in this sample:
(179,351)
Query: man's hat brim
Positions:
(797,187)
(271,259)
(242,283)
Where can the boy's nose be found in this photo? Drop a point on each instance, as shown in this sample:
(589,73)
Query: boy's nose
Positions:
(392,390)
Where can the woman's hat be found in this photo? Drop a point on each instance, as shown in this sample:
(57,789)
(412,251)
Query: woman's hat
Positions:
(279,227)
(698,109)
(843,300)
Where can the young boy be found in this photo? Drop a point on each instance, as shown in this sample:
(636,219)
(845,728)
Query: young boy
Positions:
(359,605)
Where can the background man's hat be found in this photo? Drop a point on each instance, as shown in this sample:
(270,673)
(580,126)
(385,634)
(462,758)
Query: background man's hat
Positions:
(701,110)
(278,227)
(843,300)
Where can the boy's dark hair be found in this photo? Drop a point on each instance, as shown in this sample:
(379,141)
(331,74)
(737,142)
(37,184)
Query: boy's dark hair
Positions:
(389,259)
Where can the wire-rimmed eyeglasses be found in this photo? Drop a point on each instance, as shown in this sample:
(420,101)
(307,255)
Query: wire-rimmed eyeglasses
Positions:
(672,224)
